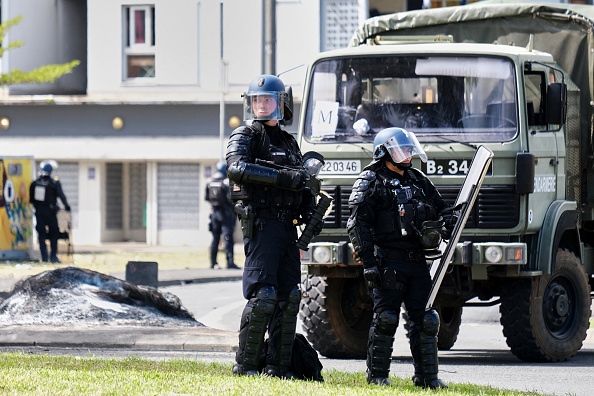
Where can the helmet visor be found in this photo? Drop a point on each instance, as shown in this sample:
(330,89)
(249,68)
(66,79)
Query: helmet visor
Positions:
(263,106)
(405,147)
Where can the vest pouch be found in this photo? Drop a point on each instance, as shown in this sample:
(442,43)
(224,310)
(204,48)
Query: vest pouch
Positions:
(387,222)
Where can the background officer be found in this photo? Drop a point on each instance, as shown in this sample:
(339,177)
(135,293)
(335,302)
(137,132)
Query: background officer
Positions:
(392,205)
(222,218)
(43,194)
(265,167)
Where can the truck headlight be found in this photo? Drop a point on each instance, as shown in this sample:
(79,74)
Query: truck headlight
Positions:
(493,254)
(321,254)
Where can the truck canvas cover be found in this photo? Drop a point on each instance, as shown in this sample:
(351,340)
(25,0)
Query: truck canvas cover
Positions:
(563,30)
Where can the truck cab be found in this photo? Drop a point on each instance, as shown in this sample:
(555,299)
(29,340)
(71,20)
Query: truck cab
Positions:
(454,97)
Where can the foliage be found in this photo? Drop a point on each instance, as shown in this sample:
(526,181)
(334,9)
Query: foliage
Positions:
(43,74)
(42,374)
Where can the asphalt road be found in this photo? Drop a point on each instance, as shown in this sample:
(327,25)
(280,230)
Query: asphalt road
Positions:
(480,356)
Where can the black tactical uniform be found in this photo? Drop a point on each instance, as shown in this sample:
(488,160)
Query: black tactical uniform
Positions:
(388,211)
(222,218)
(272,201)
(43,194)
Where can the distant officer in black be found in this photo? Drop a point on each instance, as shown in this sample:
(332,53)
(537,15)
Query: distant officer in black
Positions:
(222,218)
(272,201)
(395,220)
(43,194)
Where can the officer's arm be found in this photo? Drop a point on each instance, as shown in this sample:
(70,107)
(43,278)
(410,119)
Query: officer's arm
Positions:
(206,197)
(241,168)
(31,192)
(359,226)
(60,194)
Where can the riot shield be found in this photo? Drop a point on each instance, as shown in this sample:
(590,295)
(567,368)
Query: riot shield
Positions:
(465,201)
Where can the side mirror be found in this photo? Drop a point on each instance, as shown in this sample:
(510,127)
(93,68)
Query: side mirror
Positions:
(556,104)
(289,104)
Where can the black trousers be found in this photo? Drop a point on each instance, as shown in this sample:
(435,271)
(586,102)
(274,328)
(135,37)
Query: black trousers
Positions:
(47,228)
(222,222)
(271,258)
(416,281)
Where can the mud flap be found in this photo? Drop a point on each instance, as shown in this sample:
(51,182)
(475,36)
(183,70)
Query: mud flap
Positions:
(465,201)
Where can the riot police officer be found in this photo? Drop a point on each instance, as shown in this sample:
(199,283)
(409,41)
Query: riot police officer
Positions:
(43,194)
(394,212)
(265,166)
(222,218)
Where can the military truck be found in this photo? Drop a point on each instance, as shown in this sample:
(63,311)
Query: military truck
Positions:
(517,78)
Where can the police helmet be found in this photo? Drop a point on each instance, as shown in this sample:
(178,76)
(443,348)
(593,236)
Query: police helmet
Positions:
(266,99)
(222,167)
(398,144)
(45,168)
(221,170)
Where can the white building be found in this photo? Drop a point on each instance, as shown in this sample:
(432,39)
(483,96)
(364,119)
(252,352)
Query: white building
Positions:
(136,127)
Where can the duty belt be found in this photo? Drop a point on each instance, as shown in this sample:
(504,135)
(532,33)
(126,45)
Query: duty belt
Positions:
(404,255)
(282,215)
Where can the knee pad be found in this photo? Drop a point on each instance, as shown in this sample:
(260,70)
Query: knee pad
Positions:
(292,306)
(431,323)
(387,322)
(265,300)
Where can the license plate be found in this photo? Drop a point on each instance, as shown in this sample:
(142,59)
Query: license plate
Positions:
(452,167)
(341,167)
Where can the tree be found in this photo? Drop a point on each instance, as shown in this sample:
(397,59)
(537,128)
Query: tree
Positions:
(43,74)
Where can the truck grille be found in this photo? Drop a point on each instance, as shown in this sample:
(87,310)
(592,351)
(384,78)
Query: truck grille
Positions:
(496,206)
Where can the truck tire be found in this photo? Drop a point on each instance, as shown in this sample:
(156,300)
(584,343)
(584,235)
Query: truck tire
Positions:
(545,318)
(450,319)
(336,315)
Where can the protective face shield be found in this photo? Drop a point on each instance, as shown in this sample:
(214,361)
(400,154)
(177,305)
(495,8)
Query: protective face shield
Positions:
(399,144)
(313,163)
(266,99)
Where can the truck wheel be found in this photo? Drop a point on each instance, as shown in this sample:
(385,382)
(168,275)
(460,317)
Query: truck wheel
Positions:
(545,318)
(450,319)
(336,316)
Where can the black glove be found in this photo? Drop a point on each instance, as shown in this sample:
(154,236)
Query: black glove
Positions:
(372,276)
(67,207)
(291,180)
(450,217)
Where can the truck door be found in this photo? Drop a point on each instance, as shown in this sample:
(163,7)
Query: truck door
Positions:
(545,142)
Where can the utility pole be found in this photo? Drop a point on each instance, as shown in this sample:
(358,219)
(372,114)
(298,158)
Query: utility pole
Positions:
(223,82)
(269,37)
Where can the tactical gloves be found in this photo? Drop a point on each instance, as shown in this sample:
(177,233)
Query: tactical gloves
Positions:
(291,180)
(372,276)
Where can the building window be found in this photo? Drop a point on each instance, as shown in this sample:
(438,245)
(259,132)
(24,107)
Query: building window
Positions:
(139,43)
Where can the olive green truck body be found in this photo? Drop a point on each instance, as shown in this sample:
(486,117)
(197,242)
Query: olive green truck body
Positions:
(517,78)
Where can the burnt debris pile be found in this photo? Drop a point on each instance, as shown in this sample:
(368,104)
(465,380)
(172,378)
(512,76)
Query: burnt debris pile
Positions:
(72,295)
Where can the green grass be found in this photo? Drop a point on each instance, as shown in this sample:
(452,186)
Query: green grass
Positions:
(42,374)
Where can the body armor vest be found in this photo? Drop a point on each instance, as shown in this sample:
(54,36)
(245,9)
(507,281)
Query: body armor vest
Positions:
(282,151)
(217,194)
(44,192)
(409,208)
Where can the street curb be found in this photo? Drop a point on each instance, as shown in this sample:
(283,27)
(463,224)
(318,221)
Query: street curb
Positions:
(176,282)
(200,339)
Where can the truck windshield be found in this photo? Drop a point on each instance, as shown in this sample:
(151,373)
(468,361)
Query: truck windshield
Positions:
(439,98)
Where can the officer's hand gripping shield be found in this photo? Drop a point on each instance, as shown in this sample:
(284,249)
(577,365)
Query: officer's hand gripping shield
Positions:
(465,201)
(313,163)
